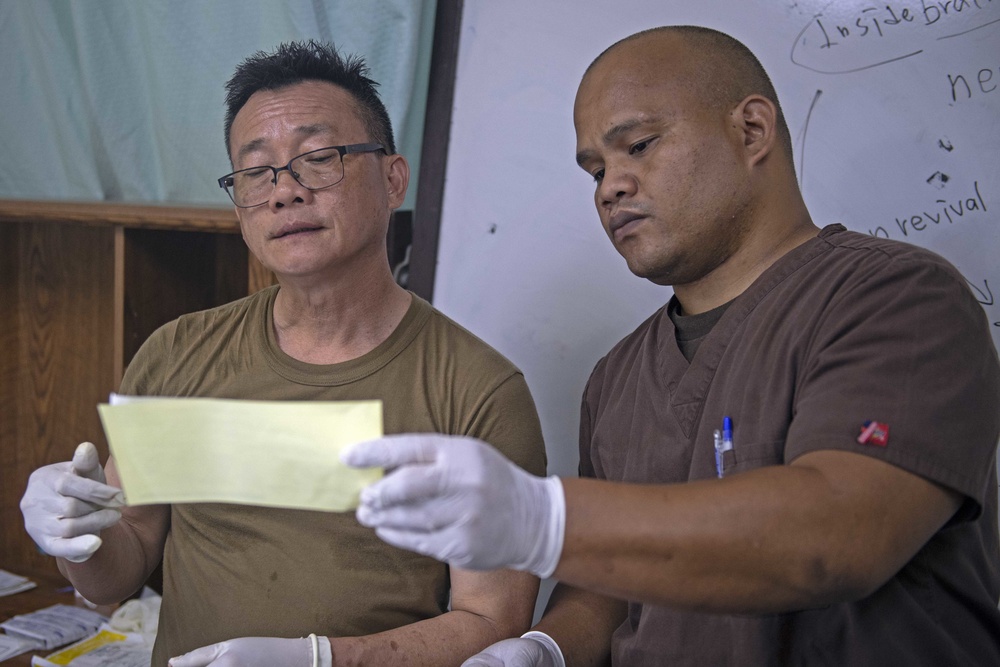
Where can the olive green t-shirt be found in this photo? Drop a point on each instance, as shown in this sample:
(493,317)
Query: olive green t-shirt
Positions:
(234,570)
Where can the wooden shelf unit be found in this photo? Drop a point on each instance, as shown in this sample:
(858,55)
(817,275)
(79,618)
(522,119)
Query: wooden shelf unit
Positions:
(82,285)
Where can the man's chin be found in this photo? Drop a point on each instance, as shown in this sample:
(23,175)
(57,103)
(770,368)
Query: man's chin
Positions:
(662,281)
(657,275)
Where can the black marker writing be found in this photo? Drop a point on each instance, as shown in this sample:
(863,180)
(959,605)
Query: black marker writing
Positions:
(939,180)
(805,131)
(945,212)
(878,35)
(983,297)
(962,89)
(949,212)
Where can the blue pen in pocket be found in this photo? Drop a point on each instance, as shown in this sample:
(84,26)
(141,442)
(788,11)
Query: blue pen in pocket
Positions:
(723,443)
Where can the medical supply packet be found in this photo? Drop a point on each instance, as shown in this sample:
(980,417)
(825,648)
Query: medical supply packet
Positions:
(11,646)
(11,583)
(106,648)
(54,626)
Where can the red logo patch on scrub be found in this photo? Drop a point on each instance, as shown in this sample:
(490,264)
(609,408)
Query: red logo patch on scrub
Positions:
(874,433)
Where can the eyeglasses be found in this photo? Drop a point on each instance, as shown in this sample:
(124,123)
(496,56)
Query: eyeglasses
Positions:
(314,170)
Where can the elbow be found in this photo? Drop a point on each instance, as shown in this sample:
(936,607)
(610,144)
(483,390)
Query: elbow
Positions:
(95,594)
(506,625)
(101,583)
(510,625)
(825,580)
(101,590)
(100,597)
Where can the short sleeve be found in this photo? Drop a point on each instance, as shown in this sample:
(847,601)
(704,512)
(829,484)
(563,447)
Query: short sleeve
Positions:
(908,347)
(586,467)
(145,373)
(508,420)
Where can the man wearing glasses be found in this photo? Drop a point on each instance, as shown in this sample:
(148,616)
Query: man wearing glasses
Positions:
(246,584)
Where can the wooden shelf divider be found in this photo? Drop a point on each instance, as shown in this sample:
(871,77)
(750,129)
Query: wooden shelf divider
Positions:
(82,285)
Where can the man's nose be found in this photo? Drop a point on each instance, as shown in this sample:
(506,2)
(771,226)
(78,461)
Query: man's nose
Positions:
(287,190)
(617,183)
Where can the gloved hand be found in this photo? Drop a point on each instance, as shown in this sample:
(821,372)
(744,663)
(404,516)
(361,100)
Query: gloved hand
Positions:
(460,501)
(260,652)
(533,649)
(67,504)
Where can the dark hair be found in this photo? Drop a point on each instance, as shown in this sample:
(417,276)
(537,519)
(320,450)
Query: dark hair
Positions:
(295,62)
(725,74)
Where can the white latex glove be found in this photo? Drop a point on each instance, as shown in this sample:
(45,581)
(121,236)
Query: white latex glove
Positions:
(259,652)
(67,504)
(459,500)
(533,649)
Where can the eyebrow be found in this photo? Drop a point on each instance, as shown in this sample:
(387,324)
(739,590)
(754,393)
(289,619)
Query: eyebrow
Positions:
(610,136)
(302,130)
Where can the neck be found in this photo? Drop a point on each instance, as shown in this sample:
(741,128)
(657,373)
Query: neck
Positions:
(776,232)
(335,321)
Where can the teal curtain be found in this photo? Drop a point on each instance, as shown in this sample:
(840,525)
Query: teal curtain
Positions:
(122,100)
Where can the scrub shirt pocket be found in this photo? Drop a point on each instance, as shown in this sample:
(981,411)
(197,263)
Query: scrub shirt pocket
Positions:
(743,457)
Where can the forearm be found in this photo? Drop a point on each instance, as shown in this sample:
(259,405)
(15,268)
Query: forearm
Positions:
(830,526)
(447,639)
(486,607)
(675,545)
(116,570)
(582,623)
(775,539)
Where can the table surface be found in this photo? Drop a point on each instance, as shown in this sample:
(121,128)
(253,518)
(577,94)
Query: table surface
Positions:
(51,589)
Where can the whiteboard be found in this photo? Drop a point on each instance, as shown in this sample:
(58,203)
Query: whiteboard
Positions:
(893,107)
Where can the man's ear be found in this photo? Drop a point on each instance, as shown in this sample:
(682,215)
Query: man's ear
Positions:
(757,119)
(397,175)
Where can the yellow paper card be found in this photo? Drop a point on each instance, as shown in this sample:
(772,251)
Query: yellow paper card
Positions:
(70,653)
(272,453)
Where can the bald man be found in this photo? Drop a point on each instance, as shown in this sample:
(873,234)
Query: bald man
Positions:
(792,462)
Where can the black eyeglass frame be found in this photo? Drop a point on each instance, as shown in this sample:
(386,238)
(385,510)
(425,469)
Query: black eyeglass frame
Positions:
(227,181)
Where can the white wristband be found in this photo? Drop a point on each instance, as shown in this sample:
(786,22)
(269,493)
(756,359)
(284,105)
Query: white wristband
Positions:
(322,653)
(548,560)
(550,645)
